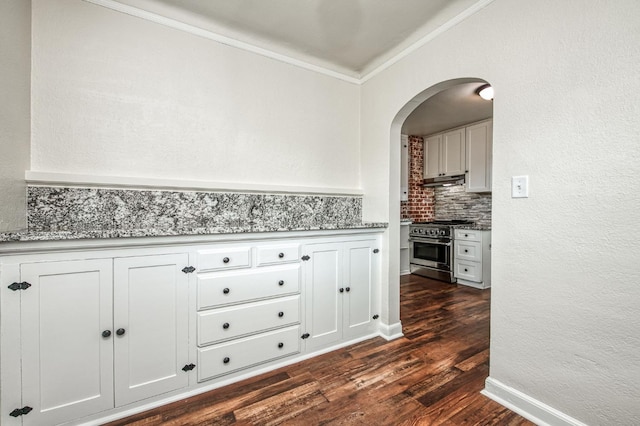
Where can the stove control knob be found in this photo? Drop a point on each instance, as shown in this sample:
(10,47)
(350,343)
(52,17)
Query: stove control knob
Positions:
(442,232)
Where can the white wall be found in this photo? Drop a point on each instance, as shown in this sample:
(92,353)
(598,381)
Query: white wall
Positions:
(566,290)
(15,72)
(117,95)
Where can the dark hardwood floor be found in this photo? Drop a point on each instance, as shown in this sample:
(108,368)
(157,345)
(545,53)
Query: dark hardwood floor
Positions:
(431,376)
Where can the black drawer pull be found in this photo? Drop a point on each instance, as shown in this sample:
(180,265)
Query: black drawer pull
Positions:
(466,270)
(225,325)
(466,251)
(348,289)
(120,331)
(281,282)
(225,291)
(280,314)
(106,333)
(281,345)
(341,290)
(226,360)
(225,260)
(280,255)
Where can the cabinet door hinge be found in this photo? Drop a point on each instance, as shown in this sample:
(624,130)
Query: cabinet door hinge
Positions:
(305,336)
(188,367)
(21,411)
(20,286)
(305,258)
(188,269)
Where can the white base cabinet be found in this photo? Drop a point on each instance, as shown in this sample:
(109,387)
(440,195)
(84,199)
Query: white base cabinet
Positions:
(341,291)
(87,334)
(472,258)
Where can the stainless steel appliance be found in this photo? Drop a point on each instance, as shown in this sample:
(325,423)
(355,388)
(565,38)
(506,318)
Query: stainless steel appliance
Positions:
(431,248)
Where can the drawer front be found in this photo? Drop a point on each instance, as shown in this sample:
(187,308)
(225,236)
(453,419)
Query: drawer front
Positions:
(470,271)
(468,235)
(226,358)
(285,253)
(233,287)
(226,258)
(228,323)
(468,250)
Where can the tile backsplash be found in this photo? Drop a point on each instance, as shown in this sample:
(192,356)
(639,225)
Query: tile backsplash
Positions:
(454,202)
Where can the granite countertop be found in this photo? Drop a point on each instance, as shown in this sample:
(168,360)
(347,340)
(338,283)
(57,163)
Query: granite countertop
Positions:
(24,235)
(474,227)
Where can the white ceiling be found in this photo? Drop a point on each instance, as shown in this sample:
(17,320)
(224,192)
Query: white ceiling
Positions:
(347,36)
(350,37)
(448,109)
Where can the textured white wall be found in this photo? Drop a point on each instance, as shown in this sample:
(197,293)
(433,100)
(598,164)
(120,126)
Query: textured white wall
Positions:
(117,95)
(565,295)
(15,71)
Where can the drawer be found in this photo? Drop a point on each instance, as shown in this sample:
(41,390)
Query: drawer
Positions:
(468,250)
(285,253)
(468,235)
(233,287)
(225,258)
(226,358)
(228,323)
(470,271)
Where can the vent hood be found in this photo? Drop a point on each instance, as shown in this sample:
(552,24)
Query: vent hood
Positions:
(444,181)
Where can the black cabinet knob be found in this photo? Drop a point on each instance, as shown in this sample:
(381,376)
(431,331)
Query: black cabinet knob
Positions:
(466,270)
(466,251)
(341,290)
(466,235)
(281,345)
(120,331)
(225,291)
(348,289)
(280,314)
(226,360)
(106,333)
(225,260)
(225,325)
(281,282)
(280,255)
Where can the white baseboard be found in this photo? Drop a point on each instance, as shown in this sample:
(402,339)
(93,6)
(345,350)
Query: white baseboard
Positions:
(391,331)
(528,407)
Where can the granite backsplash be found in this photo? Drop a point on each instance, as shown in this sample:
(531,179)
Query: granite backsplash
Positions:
(89,209)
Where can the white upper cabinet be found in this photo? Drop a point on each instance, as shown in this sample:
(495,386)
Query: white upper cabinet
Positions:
(444,154)
(404,168)
(452,155)
(479,147)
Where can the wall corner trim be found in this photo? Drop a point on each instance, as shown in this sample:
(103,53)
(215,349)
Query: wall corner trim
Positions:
(528,407)
(37,178)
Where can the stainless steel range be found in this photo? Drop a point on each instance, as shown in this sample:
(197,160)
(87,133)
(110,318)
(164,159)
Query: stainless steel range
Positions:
(431,248)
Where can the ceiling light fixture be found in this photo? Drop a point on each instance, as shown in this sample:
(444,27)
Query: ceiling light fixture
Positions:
(485,92)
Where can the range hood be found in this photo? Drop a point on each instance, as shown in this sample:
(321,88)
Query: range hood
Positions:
(444,181)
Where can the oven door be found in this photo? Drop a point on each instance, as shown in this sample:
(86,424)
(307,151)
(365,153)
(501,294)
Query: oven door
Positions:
(431,252)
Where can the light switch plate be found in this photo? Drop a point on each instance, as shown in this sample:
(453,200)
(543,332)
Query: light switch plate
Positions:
(520,187)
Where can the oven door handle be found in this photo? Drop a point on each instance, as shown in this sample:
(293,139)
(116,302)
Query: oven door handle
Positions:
(426,240)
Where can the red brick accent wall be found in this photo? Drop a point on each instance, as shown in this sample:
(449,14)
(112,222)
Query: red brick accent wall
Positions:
(421,204)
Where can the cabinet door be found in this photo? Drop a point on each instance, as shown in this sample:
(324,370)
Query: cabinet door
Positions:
(323,300)
(479,147)
(67,364)
(432,156)
(452,158)
(359,273)
(150,326)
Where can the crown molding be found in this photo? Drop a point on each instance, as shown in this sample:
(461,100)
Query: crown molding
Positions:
(362,78)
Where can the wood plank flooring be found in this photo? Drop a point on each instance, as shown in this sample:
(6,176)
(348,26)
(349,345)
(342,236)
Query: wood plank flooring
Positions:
(431,376)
